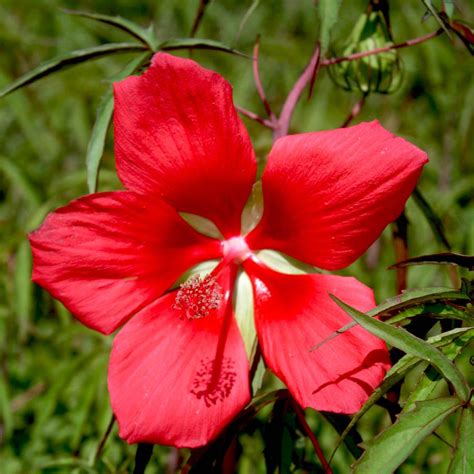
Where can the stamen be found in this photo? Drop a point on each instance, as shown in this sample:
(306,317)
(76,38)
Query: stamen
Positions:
(197,296)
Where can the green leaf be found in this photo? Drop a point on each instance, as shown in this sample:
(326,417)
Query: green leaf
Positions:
(23,288)
(70,59)
(463,459)
(430,379)
(197,43)
(432,10)
(410,344)
(96,145)
(328,14)
(246,17)
(388,450)
(95,149)
(401,306)
(144,35)
(396,373)
(6,415)
(436,310)
(466,261)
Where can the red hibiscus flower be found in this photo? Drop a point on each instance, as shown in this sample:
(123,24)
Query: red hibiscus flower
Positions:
(179,368)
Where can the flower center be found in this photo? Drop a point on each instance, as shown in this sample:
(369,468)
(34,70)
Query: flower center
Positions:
(236,249)
(197,296)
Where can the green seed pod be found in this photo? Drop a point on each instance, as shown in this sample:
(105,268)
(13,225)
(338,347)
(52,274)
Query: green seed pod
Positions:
(375,73)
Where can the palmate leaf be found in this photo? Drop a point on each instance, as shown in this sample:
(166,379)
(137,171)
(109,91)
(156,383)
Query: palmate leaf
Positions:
(388,450)
(143,35)
(410,344)
(96,145)
(70,59)
(463,459)
(449,342)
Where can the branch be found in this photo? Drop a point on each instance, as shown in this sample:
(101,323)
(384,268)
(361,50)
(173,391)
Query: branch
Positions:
(103,440)
(355,111)
(254,116)
(308,75)
(364,54)
(309,432)
(258,83)
(199,14)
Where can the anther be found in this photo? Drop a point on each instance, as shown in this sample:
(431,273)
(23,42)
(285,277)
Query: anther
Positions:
(197,297)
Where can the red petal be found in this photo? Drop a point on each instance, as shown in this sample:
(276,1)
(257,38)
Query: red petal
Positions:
(161,369)
(328,195)
(293,313)
(107,255)
(177,134)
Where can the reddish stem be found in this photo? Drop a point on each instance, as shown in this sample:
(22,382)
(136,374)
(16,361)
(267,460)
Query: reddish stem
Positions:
(199,15)
(364,54)
(254,116)
(355,111)
(309,74)
(104,439)
(307,429)
(258,82)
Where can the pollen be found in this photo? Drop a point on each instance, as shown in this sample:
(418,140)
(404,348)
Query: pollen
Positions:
(197,297)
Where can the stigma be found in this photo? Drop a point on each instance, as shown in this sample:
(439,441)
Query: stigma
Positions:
(197,297)
(236,250)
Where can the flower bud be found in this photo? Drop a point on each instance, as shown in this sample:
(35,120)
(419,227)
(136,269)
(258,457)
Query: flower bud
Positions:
(374,73)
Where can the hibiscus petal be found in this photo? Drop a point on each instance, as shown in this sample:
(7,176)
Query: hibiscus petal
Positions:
(107,255)
(177,381)
(177,134)
(293,313)
(328,195)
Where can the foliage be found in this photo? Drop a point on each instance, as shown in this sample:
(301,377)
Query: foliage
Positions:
(54,409)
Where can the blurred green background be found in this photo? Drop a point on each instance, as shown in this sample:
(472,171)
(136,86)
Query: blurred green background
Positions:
(53,399)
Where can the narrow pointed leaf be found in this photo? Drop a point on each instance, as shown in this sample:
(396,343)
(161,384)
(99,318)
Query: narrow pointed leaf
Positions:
(23,288)
(438,311)
(142,34)
(410,344)
(70,59)
(96,145)
(466,261)
(463,459)
(399,307)
(430,7)
(196,43)
(388,450)
(328,13)
(444,341)
(430,379)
